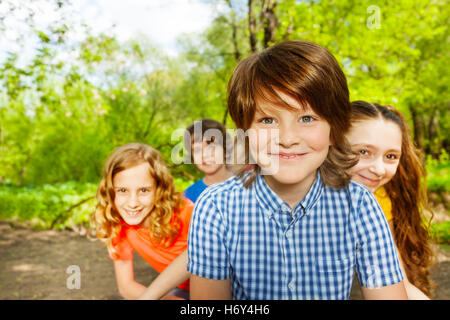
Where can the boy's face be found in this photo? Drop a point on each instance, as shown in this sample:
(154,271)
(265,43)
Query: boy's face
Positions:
(288,144)
(208,156)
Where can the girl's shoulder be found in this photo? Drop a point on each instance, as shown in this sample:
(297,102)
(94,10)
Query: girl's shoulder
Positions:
(185,212)
(381,193)
(384,201)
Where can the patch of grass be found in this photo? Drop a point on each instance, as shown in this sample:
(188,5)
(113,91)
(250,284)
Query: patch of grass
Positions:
(441,232)
(438,173)
(48,205)
(445,247)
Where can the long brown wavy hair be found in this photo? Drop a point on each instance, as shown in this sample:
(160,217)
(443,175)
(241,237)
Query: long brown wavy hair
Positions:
(162,221)
(407,191)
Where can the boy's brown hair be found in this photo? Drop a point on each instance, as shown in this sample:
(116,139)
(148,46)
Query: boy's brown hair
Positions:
(309,73)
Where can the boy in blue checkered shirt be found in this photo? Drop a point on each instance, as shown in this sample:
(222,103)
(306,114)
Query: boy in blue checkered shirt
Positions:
(293,227)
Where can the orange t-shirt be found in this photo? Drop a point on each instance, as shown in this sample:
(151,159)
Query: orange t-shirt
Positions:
(158,256)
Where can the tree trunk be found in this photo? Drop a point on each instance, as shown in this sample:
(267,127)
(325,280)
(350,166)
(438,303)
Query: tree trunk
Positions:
(434,134)
(417,127)
(269,21)
(234,28)
(224,120)
(251,27)
(237,53)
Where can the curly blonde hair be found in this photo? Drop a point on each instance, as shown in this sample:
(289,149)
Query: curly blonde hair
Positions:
(162,222)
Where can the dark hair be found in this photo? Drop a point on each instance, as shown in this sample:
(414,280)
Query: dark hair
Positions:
(309,73)
(407,192)
(212,131)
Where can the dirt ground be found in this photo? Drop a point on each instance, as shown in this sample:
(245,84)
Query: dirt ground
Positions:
(36,265)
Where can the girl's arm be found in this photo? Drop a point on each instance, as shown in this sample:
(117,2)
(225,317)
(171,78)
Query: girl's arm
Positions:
(174,275)
(412,291)
(128,287)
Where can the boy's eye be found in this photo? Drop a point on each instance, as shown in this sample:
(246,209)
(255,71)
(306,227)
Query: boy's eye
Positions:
(306,119)
(121,190)
(143,190)
(266,120)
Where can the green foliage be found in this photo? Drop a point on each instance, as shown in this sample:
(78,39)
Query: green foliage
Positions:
(441,232)
(438,173)
(48,205)
(65,111)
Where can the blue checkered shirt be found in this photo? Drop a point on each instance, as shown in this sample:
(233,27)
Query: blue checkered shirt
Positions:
(270,252)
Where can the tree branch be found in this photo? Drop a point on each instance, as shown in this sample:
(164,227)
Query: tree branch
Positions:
(64,213)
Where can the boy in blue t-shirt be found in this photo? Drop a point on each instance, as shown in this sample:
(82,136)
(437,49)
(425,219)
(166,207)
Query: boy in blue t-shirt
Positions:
(205,140)
(294,226)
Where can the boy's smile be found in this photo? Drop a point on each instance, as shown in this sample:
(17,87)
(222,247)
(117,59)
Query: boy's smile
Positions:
(284,156)
(289,144)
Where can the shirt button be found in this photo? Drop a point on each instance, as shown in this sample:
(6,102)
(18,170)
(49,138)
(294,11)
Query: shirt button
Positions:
(291,286)
(289,234)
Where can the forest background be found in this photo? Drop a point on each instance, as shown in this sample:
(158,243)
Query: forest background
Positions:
(66,110)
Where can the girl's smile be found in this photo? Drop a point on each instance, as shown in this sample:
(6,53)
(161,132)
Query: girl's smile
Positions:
(134,193)
(368,181)
(379,144)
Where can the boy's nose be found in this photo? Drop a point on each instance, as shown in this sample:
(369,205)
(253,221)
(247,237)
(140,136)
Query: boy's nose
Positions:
(287,137)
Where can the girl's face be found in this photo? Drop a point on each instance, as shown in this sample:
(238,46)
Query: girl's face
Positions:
(379,144)
(134,193)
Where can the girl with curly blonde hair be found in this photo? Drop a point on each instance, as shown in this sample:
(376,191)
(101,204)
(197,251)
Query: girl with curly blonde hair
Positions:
(139,210)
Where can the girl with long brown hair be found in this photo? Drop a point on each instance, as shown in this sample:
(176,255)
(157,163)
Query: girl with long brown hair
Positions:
(390,166)
(139,210)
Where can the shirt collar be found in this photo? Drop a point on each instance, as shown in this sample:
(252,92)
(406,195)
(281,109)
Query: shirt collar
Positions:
(313,194)
(272,203)
(267,198)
